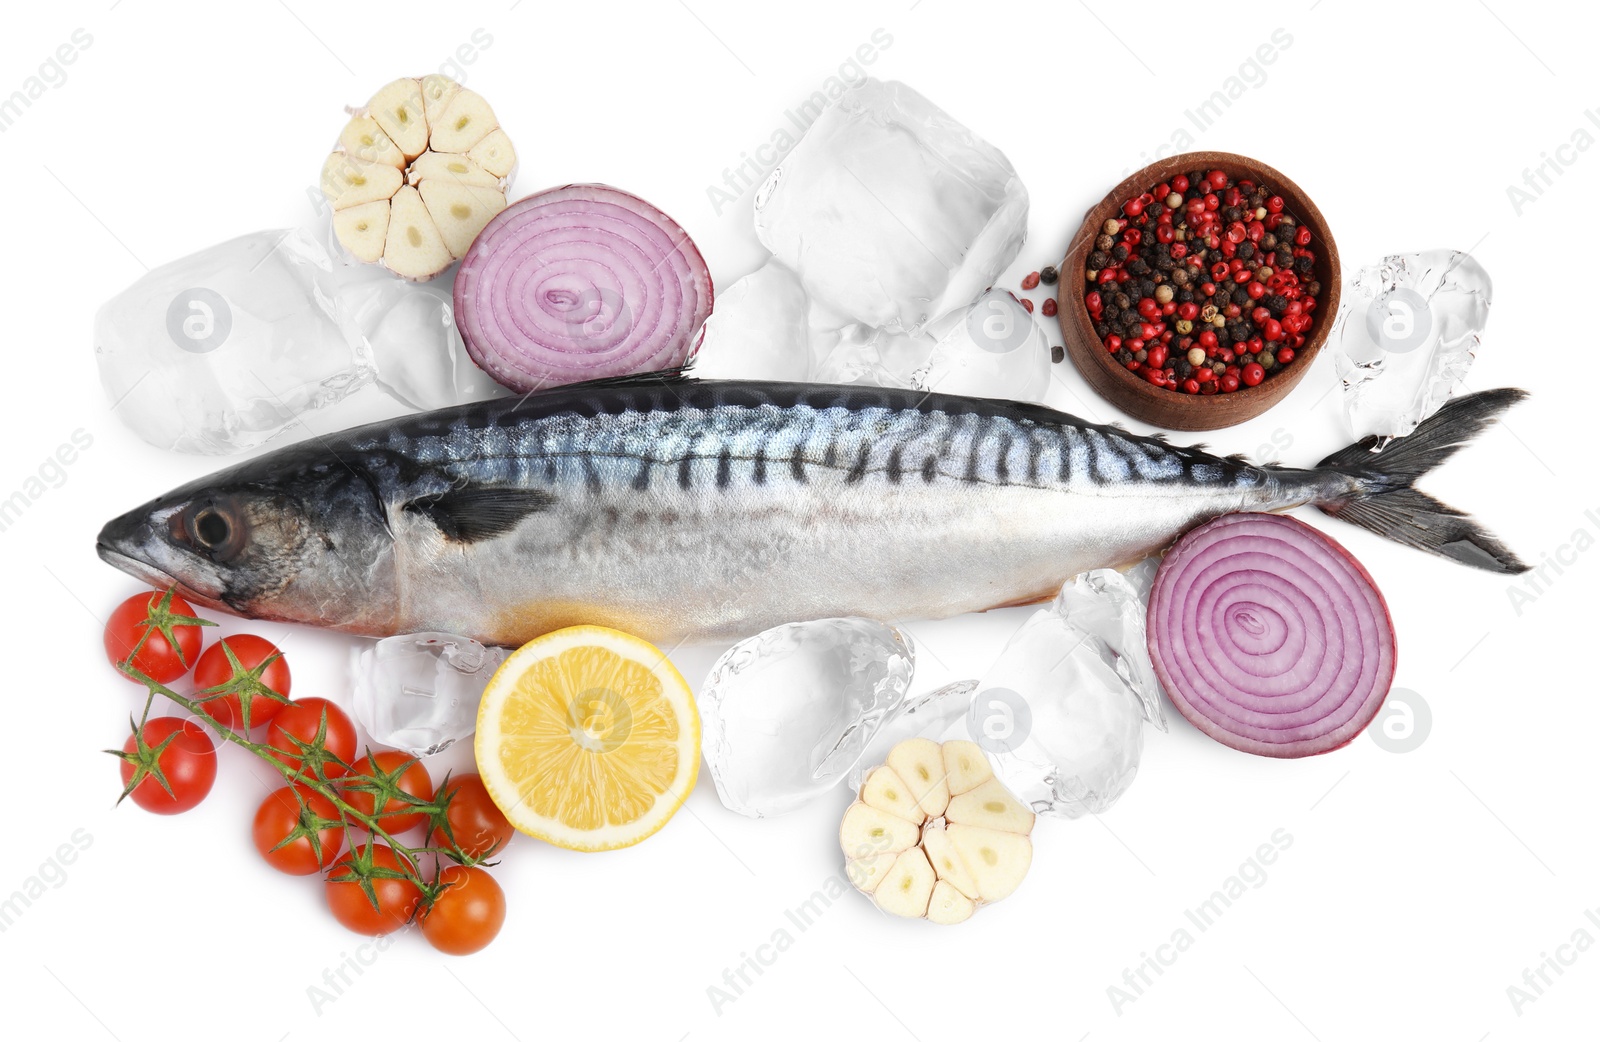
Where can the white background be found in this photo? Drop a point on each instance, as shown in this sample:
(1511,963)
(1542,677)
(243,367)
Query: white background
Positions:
(1418,887)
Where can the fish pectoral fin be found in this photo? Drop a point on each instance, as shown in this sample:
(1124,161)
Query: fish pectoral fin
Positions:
(467,515)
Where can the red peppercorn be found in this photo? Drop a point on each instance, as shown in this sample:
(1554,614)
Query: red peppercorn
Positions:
(1180,183)
(1157,356)
(1188,311)
(1107,276)
(1302,236)
(1219,270)
(1113,343)
(1285,355)
(1208,289)
(1148,308)
(1030,280)
(1179,250)
(1260,315)
(1027,305)
(1094,301)
(1154,376)
(1212,202)
(1275,204)
(1208,338)
(1164,233)
(1136,344)
(1218,179)
(1133,207)
(1191,386)
(1048,308)
(1252,374)
(1230,382)
(1133,236)
(1272,330)
(1204,375)
(1243,275)
(1257,290)
(1236,232)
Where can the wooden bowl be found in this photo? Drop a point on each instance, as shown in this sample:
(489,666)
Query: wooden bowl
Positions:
(1173,409)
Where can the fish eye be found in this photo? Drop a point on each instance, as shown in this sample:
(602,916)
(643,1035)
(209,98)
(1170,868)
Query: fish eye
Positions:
(211,529)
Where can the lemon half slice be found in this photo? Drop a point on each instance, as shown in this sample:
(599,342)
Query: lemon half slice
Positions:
(588,738)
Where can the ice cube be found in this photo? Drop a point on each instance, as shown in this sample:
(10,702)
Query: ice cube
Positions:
(1406,333)
(992,349)
(757,331)
(420,692)
(859,354)
(890,211)
(409,331)
(786,714)
(1061,713)
(222,350)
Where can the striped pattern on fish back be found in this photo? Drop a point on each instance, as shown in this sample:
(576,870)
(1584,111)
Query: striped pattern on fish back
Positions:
(723,435)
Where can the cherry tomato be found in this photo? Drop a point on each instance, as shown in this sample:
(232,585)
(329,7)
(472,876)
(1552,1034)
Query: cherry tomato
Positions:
(477,827)
(288,837)
(401,771)
(468,914)
(188,761)
(396,893)
(301,719)
(256,675)
(170,631)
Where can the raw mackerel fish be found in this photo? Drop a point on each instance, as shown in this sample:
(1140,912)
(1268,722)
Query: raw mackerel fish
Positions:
(682,509)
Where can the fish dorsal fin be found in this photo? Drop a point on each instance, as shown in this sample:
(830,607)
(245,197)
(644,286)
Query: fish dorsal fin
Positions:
(467,515)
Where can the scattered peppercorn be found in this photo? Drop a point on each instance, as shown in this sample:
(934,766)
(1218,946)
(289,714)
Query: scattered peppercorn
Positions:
(1048,275)
(1031,279)
(1048,308)
(1057,353)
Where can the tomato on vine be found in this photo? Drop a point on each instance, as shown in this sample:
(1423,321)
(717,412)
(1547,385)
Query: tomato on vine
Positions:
(297,831)
(168,765)
(401,780)
(472,825)
(371,890)
(467,912)
(242,681)
(156,633)
(314,729)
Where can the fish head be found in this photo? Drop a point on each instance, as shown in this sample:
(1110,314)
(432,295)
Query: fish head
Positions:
(306,542)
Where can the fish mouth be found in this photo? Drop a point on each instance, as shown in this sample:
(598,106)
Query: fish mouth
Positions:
(122,544)
(142,570)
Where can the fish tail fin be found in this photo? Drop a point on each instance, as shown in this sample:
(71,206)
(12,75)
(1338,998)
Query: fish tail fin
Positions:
(1385,502)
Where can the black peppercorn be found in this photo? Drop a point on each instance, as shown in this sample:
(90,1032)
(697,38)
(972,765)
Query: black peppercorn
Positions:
(1104,242)
(1057,354)
(1246,250)
(1048,274)
(1124,355)
(1121,300)
(1241,296)
(1119,253)
(1097,260)
(1302,265)
(1147,287)
(1277,304)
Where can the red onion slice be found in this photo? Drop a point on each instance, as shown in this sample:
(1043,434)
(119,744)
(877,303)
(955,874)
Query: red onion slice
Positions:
(1269,637)
(577,283)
